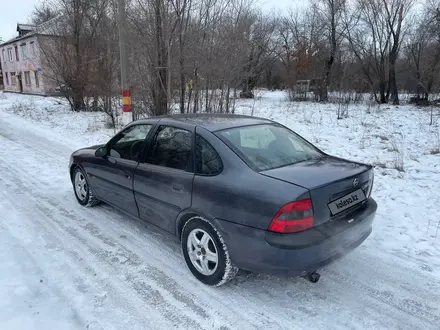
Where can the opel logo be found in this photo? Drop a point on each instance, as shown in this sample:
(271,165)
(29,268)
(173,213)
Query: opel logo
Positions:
(355,182)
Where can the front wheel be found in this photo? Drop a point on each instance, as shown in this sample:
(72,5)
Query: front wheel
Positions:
(83,193)
(206,253)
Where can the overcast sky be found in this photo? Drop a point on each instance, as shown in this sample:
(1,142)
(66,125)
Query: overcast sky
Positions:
(14,11)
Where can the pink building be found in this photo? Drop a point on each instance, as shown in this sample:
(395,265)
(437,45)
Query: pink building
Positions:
(21,64)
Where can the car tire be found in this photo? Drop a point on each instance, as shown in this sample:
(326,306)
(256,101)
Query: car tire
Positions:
(83,192)
(205,253)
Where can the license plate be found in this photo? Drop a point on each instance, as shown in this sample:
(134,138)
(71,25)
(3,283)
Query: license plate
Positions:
(347,201)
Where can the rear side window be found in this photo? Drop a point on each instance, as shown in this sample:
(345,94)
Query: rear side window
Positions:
(171,148)
(208,161)
(259,137)
(264,147)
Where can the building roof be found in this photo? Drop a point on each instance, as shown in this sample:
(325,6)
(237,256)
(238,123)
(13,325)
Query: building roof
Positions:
(214,121)
(46,28)
(25,27)
(52,26)
(10,41)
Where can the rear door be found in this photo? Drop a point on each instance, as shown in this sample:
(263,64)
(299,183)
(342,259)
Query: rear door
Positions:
(163,181)
(112,176)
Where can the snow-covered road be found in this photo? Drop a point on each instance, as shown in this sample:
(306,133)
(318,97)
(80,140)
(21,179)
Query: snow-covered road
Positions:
(63,266)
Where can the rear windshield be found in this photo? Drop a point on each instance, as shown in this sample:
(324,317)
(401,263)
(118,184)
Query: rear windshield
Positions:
(264,147)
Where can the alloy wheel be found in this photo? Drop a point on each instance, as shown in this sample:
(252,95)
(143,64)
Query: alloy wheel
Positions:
(81,186)
(202,252)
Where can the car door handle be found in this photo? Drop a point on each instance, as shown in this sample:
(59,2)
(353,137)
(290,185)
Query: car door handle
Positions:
(177,188)
(127,175)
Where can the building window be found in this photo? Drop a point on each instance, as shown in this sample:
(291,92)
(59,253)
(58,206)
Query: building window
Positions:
(23,51)
(37,79)
(27,78)
(3,55)
(34,54)
(10,54)
(17,58)
(13,79)
(7,78)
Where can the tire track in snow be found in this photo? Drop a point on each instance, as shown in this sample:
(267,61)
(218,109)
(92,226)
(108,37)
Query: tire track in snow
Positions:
(382,296)
(70,271)
(52,209)
(150,293)
(27,263)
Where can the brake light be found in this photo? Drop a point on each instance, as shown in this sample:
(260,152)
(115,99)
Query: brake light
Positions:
(293,217)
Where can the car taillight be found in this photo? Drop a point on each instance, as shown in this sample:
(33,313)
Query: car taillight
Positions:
(293,217)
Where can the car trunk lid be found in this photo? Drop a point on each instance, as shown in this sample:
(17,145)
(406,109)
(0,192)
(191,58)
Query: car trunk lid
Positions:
(335,181)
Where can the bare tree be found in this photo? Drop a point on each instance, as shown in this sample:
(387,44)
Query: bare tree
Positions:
(422,50)
(44,11)
(191,56)
(395,11)
(182,10)
(259,37)
(161,74)
(331,14)
(301,38)
(151,42)
(369,41)
(375,40)
(104,73)
(67,44)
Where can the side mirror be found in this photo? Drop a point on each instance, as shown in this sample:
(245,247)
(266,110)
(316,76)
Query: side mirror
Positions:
(101,152)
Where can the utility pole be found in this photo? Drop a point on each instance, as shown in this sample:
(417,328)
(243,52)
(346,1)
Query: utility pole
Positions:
(127,114)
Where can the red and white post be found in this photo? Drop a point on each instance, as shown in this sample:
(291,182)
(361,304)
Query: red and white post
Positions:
(127,115)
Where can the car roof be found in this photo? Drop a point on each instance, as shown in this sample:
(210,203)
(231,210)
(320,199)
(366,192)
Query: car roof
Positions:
(212,121)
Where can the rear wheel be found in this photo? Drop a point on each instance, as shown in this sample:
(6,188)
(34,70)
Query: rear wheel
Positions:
(83,193)
(206,253)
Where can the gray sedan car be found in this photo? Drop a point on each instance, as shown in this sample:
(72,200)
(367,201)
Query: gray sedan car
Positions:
(237,191)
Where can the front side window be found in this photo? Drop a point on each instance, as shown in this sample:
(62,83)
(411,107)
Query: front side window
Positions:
(3,55)
(171,148)
(265,147)
(13,78)
(7,78)
(34,54)
(23,51)
(27,78)
(37,79)
(129,143)
(10,54)
(208,161)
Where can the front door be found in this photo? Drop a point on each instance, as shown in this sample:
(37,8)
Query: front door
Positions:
(20,83)
(112,176)
(163,182)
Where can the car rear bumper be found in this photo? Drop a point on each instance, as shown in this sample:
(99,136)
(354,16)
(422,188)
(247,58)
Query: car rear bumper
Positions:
(297,254)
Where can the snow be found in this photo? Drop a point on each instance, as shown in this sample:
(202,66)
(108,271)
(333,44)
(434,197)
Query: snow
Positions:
(63,266)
